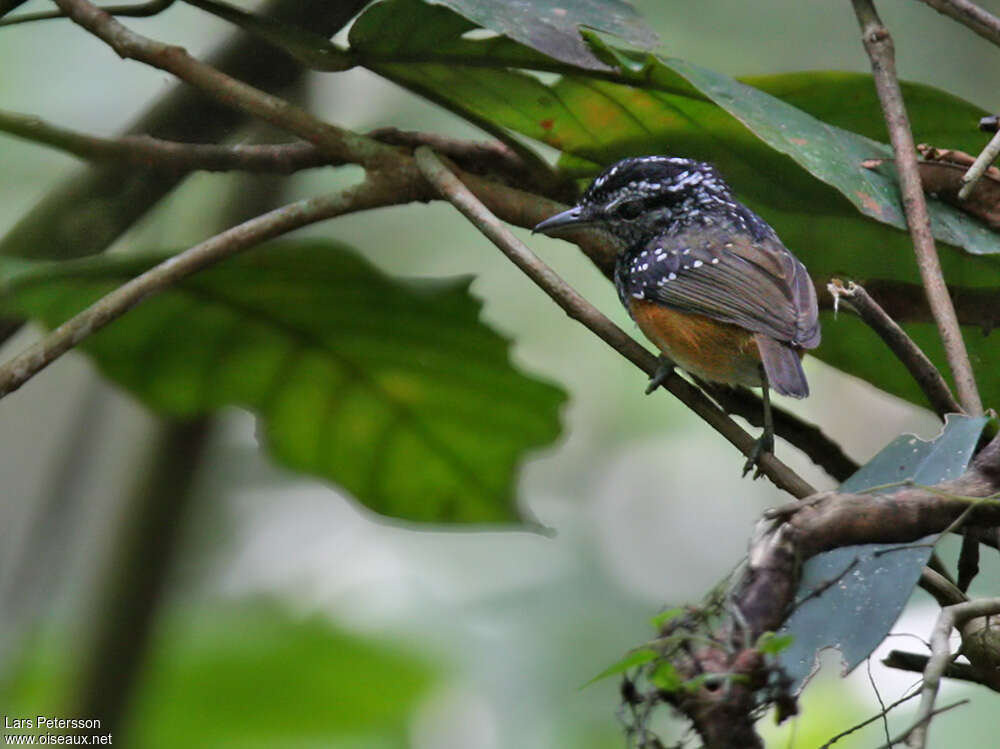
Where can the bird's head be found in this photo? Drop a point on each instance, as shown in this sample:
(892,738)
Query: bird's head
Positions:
(641,197)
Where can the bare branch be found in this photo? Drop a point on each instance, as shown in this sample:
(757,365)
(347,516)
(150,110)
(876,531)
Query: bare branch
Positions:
(135,10)
(920,367)
(941,657)
(584,312)
(334,141)
(917,663)
(879,46)
(173,156)
(372,193)
(980,165)
(980,21)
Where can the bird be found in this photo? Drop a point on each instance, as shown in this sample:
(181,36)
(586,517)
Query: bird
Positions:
(705,278)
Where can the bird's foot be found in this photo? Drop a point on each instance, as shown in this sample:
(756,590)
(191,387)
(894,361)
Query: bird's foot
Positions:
(662,373)
(763,446)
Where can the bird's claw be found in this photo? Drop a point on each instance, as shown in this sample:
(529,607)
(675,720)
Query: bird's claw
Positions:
(763,446)
(661,375)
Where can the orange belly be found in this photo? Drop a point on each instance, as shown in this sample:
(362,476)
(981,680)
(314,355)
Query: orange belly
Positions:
(707,348)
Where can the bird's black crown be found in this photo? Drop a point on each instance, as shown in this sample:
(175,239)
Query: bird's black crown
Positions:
(651,195)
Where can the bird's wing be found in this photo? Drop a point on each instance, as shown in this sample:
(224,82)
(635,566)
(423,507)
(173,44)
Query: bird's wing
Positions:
(752,282)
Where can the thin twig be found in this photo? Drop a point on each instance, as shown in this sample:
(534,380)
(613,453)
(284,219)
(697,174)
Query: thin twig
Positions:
(881,715)
(983,162)
(584,312)
(922,722)
(478,157)
(980,21)
(916,362)
(135,10)
(332,140)
(373,192)
(168,155)
(878,44)
(941,656)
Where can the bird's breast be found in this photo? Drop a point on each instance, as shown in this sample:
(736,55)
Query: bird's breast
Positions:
(707,348)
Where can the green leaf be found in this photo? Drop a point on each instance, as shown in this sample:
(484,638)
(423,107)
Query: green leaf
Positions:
(553,26)
(666,616)
(251,676)
(634,658)
(666,677)
(771,643)
(784,143)
(850,598)
(392,389)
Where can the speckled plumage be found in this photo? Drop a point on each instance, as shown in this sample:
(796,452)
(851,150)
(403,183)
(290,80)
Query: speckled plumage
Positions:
(688,245)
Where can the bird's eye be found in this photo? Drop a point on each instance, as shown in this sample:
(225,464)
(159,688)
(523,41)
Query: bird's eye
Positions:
(629,210)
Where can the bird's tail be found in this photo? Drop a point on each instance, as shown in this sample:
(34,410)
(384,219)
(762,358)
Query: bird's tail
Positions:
(783,367)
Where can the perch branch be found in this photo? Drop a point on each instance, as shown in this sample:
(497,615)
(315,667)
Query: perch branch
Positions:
(582,311)
(915,360)
(980,21)
(372,193)
(878,44)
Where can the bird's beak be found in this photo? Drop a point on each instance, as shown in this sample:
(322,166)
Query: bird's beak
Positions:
(574,216)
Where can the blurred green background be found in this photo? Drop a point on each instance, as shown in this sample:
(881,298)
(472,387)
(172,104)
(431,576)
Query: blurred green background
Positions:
(294,618)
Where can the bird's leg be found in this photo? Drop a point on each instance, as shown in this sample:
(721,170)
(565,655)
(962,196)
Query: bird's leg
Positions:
(663,371)
(765,443)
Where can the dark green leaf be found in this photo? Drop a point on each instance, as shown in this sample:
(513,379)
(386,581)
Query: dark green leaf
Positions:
(849,598)
(783,143)
(392,389)
(553,26)
(634,658)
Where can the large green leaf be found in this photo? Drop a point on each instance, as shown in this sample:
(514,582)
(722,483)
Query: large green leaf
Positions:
(552,26)
(849,598)
(791,145)
(392,389)
(249,676)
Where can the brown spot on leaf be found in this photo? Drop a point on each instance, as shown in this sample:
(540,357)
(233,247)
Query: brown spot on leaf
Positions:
(547,123)
(799,141)
(870,204)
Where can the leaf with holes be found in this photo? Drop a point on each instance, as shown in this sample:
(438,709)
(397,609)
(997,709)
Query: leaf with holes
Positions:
(838,589)
(394,390)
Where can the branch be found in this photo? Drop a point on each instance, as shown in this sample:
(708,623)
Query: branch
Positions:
(950,617)
(919,366)
(135,10)
(478,157)
(979,166)
(172,156)
(334,141)
(980,21)
(917,663)
(578,308)
(372,193)
(879,46)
